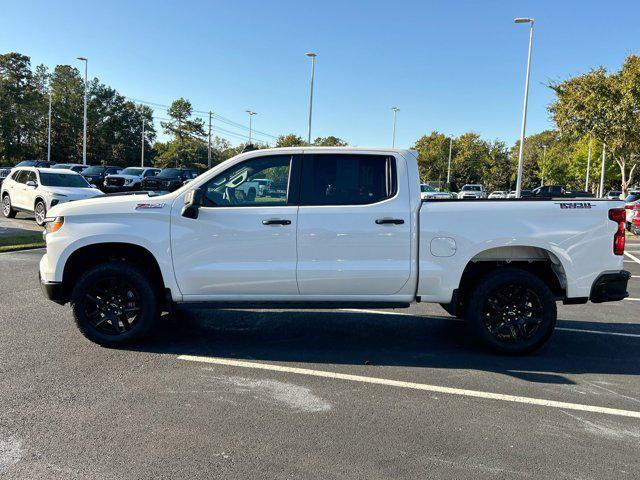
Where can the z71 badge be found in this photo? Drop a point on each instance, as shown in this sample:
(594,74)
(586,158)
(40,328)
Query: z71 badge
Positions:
(575,204)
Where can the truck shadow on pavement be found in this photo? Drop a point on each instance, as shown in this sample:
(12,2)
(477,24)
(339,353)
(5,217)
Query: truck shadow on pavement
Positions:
(354,338)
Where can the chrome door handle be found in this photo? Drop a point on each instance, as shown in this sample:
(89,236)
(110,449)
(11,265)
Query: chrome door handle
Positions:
(276,222)
(392,221)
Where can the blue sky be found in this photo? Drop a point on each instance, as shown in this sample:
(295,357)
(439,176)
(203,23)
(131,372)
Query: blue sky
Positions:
(452,66)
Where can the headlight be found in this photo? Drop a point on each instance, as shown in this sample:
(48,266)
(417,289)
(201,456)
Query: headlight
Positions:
(128,181)
(53,224)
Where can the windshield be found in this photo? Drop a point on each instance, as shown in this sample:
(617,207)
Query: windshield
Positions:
(93,170)
(62,166)
(473,188)
(632,197)
(27,163)
(132,171)
(427,188)
(62,180)
(170,173)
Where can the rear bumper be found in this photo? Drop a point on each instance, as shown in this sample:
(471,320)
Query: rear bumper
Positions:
(610,287)
(54,291)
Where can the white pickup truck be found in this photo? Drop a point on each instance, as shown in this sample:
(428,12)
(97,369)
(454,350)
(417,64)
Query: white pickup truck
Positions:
(351,230)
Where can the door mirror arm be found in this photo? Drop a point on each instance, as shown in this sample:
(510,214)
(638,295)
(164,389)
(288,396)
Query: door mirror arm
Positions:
(193,200)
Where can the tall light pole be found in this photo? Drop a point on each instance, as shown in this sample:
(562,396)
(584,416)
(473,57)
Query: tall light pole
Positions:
(395,110)
(142,151)
(524,108)
(251,114)
(604,149)
(86,89)
(49,130)
(449,164)
(586,180)
(313,69)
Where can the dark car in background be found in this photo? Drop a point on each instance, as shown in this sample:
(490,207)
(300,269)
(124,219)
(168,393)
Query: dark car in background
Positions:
(74,167)
(5,171)
(168,180)
(96,174)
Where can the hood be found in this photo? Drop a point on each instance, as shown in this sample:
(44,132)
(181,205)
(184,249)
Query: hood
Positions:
(75,193)
(101,204)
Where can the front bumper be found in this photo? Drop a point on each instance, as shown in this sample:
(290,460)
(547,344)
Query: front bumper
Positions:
(610,287)
(121,188)
(54,291)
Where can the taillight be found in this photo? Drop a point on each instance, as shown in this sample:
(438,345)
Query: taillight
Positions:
(619,216)
(630,207)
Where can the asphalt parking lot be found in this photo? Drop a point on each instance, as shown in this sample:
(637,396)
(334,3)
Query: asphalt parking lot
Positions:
(309,394)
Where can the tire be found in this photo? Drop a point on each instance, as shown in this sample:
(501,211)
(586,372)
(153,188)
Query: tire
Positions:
(7,209)
(114,304)
(40,212)
(495,311)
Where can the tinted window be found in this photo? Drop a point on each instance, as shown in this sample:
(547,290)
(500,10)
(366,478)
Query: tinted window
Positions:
(63,180)
(341,179)
(20,176)
(27,163)
(170,173)
(632,197)
(132,171)
(427,188)
(31,177)
(111,171)
(239,185)
(473,188)
(93,171)
(150,173)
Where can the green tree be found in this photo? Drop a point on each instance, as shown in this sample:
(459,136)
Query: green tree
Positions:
(604,106)
(188,147)
(290,140)
(329,141)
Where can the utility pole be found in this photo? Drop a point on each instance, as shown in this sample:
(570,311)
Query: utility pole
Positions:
(313,68)
(142,154)
(604,149)
(49,130)
(393,136)
(209,143)
(586,181)
(524,108)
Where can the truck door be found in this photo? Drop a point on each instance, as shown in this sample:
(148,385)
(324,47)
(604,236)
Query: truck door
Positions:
(354,228)
(241,244)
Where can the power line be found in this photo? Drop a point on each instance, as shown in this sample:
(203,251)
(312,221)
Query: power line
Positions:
(216,116)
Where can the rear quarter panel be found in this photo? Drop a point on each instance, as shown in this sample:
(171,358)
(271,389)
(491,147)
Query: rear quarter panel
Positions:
(580,238)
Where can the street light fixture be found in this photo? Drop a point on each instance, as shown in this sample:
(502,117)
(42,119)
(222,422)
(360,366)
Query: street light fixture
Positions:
(524,108)
(313,68)
(251,114)
(395,110)
(86,89)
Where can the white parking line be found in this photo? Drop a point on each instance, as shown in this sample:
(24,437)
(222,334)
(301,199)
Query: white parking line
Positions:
(632,257)
(411,385)
(382,312)
(599,332)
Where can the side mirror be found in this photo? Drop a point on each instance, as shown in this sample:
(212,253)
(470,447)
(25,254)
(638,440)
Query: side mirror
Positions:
(193,200)
(31,183)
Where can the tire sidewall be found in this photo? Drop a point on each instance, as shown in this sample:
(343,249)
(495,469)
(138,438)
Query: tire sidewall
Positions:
(138,280)
(11,212)
(495,280)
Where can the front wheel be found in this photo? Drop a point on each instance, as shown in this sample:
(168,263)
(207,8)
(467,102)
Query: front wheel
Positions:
(7,209)
(512,311)
(114,304)
(40,212)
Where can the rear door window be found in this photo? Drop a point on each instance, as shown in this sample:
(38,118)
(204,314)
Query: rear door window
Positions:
(347,179)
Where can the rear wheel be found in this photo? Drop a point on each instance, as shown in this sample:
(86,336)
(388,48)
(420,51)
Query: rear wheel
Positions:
(114,304)
(40,212)
(512,311)
(7,209)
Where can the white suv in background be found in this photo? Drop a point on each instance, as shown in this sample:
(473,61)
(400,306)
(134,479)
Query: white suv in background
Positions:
(128,179)
(472,191)
(36,190)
